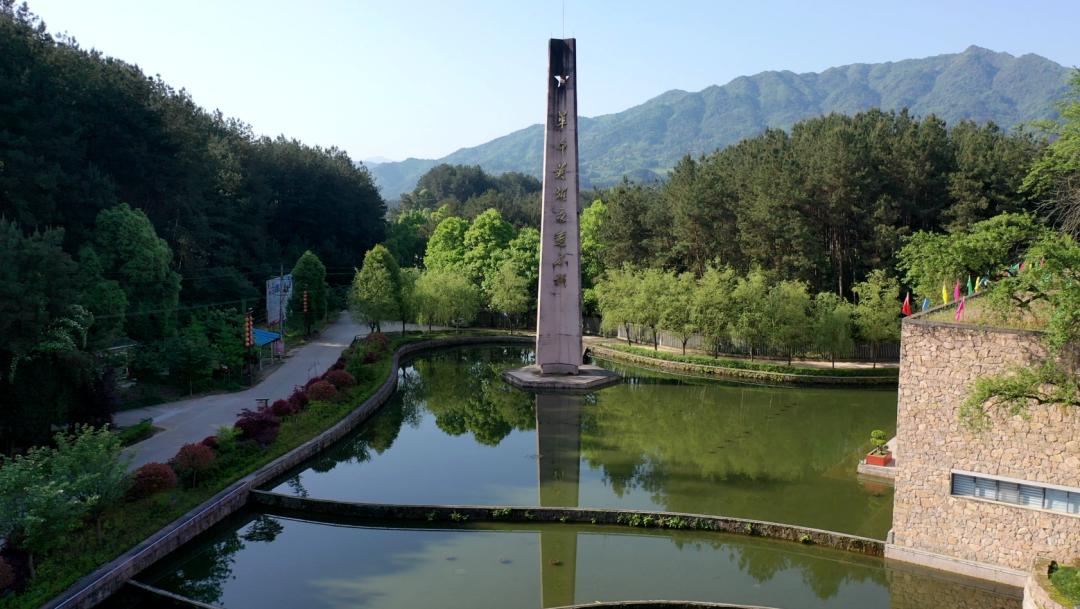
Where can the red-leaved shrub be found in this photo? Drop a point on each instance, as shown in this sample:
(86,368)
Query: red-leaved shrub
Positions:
(299,400)
(377,341)
(339,364)
(283,408)
(191,460)
(312,381)
(152,478)
(370,357)
(210,442)
(260,426)
(322,390)
(340,379)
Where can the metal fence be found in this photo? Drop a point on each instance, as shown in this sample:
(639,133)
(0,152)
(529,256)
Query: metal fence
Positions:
(885,352)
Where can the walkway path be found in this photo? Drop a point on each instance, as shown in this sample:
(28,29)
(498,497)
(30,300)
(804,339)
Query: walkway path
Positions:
(194,419)
(800,363)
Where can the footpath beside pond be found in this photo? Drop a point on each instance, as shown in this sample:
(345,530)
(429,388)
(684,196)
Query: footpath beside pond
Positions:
(762,372)
(194,419)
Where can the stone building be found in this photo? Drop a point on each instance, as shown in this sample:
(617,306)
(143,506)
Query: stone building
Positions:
(986,504)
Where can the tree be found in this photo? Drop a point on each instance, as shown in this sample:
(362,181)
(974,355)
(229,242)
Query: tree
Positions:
(446,297)
(831,324)
(37,508)
(752,319)
(592,266)
(510,292)
(1055,176)
(91,461)
(485,245)
(877,313)
(616,296)
(130,249)
(407,302)
(523,252)
(1048,287)
(308,274)
(789,305)
(678,313)
(446,247)
(376,294)
(713,307)
(929,260)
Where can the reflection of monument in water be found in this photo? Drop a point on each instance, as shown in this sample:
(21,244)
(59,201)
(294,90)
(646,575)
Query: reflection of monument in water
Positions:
(558,447)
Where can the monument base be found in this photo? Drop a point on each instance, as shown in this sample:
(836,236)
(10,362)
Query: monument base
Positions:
(588,378)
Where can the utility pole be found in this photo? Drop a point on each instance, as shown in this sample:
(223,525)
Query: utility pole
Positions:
(281,306)
(307,316)
(249,343)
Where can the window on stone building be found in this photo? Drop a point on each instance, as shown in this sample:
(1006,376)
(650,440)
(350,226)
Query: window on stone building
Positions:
(1016,493)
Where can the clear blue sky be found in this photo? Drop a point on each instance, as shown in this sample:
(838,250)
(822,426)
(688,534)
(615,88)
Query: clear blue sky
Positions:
(400,78)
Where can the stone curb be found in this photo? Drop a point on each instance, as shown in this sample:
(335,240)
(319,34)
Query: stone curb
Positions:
(674,520)
(785,378)
(107,579)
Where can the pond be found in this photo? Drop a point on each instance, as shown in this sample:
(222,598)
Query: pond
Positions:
(455,433)
(256,560)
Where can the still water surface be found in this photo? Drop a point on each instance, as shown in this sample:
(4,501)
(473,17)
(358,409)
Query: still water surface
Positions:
(455,433)
(260,560)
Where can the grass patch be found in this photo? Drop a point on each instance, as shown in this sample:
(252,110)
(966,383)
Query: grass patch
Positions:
(136,433)
(707,360)
(130,522)
(1066,582)
(978,313)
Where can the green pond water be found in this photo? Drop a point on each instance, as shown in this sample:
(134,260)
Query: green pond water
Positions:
(455,433)
(262,560)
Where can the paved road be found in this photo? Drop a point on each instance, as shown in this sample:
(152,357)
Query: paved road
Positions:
(192,420)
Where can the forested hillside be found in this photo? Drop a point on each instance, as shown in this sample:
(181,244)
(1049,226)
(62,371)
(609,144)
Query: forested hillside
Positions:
(80,132)
(646,141)
(125,209)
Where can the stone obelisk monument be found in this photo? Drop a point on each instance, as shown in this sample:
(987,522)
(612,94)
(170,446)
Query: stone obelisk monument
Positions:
(558,312)
(558,317)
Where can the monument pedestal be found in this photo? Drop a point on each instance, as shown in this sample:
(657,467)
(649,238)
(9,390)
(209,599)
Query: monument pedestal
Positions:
(588,378)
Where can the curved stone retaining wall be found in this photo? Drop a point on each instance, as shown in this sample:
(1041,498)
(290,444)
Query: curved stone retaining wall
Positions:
(631,518)
(107,579)
(760,376)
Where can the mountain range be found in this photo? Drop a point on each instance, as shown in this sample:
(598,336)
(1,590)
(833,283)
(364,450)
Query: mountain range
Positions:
(645,141)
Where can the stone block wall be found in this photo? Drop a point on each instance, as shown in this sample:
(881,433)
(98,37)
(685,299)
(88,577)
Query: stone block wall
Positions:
(939,362)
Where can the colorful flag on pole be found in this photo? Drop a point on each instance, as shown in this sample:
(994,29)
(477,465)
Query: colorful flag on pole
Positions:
(944,294)
(906,309)
(956,290)
(960,309)
(970,289)
(978,280)
(925,303)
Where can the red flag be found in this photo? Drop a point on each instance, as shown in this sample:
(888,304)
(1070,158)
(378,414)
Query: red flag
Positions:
(960,309)
(906,309)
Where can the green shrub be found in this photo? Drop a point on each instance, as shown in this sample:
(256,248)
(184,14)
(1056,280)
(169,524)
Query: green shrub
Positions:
(1066,581)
